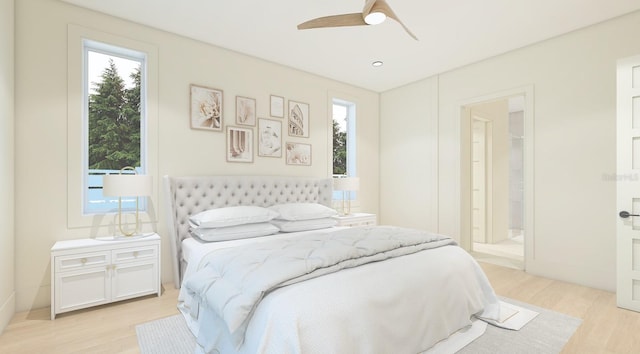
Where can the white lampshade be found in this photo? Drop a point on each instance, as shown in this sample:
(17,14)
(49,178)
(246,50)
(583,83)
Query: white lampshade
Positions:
(346,184)
(126,185)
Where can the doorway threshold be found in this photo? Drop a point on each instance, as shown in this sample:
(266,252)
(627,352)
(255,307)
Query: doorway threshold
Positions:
(507,262)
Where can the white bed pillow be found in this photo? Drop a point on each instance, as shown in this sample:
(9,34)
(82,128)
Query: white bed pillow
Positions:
(231,216)
(234,232)
(304,225)
(302,211)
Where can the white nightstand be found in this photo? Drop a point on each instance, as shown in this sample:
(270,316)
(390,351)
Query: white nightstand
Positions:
(90,272)
(356,219)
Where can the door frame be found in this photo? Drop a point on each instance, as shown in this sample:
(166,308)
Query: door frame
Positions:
(464,188)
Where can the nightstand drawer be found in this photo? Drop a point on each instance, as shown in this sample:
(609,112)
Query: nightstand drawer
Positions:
(356,219)
(82,261)
(135,254)
(364,222)
(89,272)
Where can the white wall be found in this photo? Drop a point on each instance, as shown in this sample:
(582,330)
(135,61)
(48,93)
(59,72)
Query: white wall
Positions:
(575,143)
(409,156)
(7,121)
(41,101)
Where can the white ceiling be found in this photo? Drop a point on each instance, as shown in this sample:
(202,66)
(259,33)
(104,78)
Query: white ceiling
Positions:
(452,33)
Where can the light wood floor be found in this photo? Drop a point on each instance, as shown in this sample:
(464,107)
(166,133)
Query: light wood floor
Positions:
(111,328)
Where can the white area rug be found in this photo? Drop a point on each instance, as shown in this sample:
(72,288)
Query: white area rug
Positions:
(546,333)
(512,317)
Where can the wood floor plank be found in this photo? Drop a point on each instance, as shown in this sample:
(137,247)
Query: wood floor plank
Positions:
(606,329)
(111,328)
(104,329)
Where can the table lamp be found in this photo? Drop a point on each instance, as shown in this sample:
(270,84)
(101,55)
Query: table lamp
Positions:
(346,185)
(127,185)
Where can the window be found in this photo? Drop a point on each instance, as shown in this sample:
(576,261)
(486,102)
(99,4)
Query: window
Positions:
(81,40)
(344,141)
(344,132)
(113,120)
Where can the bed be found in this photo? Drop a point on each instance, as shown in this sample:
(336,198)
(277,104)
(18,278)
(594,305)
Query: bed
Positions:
(427,298)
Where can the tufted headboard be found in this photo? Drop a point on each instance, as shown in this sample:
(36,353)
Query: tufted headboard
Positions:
(186,196)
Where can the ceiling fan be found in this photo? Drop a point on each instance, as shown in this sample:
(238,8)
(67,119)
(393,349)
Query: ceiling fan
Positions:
(373,13)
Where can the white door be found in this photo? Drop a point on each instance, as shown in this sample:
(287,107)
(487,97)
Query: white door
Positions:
(479,180)
(628,183)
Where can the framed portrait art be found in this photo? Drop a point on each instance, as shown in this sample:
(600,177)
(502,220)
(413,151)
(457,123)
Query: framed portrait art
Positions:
(245,111)
(298,124)
(206,108)
(277,106)
(239,144)
(298,154)
(269,138)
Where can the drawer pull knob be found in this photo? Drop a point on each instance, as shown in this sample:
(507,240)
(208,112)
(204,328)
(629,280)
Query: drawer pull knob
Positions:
(83,260)
(135,253)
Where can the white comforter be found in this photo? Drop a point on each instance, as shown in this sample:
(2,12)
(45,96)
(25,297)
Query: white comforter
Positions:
(401,305)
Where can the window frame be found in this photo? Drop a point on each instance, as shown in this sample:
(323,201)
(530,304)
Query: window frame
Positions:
(89,45)
(352,157)
(351,134)
(104,222)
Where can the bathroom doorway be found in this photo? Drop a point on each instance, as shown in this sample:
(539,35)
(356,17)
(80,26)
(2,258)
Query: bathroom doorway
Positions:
(497,195)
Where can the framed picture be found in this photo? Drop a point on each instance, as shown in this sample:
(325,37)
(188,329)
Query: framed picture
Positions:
(239,144)
(206,108)
(245,111)
(298,154)
(277,106)
(269,138)
(298,119)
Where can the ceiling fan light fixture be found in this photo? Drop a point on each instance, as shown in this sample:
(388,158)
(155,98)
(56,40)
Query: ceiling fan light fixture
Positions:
(375,18)
(374,12)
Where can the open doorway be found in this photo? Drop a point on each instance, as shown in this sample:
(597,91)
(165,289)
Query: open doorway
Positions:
(496,170)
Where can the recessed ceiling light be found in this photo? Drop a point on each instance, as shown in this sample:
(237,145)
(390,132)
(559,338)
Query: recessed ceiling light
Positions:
(377,63)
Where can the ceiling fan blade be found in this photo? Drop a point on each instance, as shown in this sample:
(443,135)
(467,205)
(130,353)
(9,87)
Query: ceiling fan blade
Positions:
(405,27)
(354,19)
(382,6)
(368,5)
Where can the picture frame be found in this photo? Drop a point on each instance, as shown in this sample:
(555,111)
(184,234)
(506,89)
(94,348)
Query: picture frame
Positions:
(245,111)
(298,124)
(298,154)
(206,108)
(276,106)
(269,138)
(239,144)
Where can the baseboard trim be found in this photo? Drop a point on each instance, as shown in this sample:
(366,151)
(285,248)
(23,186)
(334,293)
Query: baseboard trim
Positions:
(7,310)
